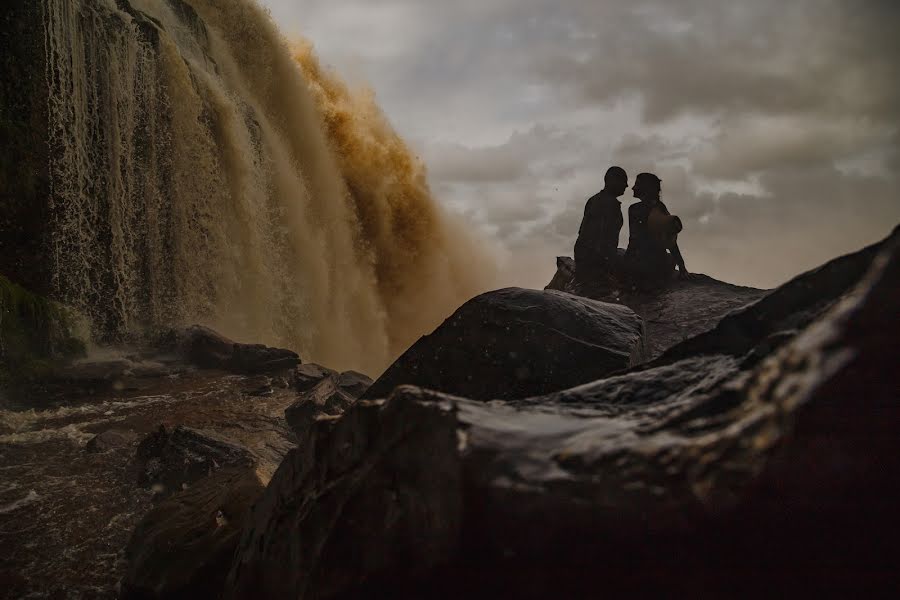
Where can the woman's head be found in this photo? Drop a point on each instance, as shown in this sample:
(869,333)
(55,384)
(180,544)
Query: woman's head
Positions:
(647,187)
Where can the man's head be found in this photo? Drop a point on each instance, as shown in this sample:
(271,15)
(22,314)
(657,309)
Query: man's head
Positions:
(647,186)
(616,181)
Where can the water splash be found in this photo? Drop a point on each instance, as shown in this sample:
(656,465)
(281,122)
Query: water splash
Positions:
(200,173)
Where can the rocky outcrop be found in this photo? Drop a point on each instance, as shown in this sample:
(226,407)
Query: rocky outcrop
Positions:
(306,377)
(372,496)
(330,397)
(209,350)
(354,383)
(184,547)
(513,343)
(702,474)
(111,439)
(763,325)
(168,461)
(673,313)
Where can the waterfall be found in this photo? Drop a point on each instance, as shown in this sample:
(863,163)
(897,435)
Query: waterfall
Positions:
(198,174)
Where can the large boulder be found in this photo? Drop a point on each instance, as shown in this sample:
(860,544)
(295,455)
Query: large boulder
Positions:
(208,349)
(111,439)
(327,399)
(305,377)
(184,547)
(774,318)
(703,475)
(331,395)
(372,496)
(672,313)
(733,318)
(353,383)
(706,474)
(514,342)
(168,461)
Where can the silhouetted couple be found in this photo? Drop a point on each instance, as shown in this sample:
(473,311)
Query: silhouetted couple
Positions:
(652,254)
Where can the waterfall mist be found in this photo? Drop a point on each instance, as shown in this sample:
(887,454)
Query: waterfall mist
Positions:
(204,171)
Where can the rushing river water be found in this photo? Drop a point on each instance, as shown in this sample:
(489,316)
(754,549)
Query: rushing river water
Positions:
(65,513)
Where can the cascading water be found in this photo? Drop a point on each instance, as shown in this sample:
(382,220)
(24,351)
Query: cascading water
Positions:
(194,179)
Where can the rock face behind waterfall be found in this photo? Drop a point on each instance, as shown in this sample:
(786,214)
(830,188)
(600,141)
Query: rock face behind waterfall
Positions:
(24,155)
(514,342)
(719,467)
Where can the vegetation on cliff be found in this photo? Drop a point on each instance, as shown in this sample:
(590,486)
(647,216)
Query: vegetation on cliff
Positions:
(35,333)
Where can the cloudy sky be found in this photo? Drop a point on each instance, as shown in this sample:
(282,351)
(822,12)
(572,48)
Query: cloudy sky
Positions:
(773,123)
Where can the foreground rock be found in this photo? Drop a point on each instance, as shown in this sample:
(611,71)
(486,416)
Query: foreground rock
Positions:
(168,461)
(762,326)
(306,377)
(330,397)
(205,483)
(705,475)
(209,350)
(513,343)
(184,547)
(372,496)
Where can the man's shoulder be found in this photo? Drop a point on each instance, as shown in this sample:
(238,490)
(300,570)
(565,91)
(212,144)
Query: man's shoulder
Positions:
(605,198)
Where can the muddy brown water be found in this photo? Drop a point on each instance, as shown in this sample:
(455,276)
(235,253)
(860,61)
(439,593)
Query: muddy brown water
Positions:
(66,514)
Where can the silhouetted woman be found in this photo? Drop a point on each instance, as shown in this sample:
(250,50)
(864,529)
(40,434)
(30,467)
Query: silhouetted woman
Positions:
(652,252)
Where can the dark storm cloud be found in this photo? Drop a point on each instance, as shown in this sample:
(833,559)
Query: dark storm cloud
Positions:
(827,56)
(774,125)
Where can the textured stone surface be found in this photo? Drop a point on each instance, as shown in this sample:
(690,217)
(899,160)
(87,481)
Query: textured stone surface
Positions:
(353,383)
(306,377)
(210,350)
(372,496)
(708,474)
(110,440)
(168,461)
(673,313)
(325,399)
(513,343)
(183,548)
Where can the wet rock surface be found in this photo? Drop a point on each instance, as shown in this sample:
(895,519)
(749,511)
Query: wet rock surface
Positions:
(372,496)
(208,349)
(714,474)
(169,461)
(513,343)
(306,377)
(111,439)
(777,317)
(183,548)
(353,383)
(327,399)
(673,313)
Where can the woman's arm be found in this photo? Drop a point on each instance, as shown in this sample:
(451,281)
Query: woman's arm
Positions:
(679,260)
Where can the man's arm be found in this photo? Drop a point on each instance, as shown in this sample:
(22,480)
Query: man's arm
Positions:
(608,231)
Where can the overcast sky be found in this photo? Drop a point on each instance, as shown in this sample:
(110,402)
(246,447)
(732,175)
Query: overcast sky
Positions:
(773,123)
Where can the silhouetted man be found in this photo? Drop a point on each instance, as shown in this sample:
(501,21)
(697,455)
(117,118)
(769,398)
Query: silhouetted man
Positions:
(652,252)
(598,237)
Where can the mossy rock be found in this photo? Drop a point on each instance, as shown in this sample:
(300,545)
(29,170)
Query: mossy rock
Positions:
(35,333)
